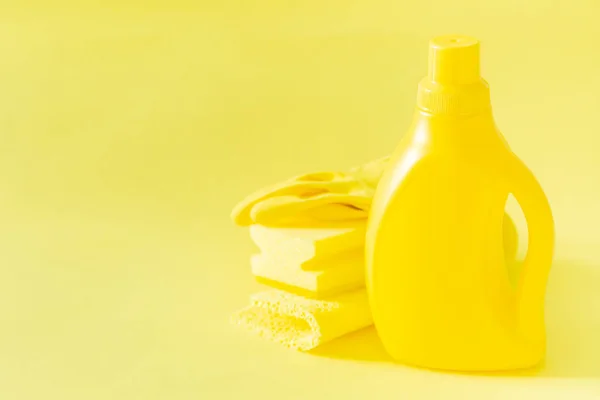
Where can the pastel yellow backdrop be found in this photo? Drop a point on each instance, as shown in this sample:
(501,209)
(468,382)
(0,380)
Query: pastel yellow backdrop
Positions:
(129,129)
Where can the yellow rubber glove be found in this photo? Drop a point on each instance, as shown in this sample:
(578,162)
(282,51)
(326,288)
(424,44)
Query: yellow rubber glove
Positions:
(313,199)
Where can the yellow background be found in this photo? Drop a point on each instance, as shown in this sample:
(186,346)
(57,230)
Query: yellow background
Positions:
(129,129)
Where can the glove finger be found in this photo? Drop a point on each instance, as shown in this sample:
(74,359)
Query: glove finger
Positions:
(303,188)
(272,210)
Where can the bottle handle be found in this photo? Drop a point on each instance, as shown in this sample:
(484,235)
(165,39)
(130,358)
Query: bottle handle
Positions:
(531,285)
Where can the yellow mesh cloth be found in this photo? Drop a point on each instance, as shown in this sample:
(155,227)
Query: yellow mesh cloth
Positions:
(303,323)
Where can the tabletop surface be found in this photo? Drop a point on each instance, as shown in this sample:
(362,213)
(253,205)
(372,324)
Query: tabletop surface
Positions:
(130,130)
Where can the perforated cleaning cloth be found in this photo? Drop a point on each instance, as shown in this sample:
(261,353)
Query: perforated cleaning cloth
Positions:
(303,323)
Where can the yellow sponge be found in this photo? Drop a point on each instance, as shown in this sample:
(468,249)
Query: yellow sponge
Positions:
(299,246)
(335,275)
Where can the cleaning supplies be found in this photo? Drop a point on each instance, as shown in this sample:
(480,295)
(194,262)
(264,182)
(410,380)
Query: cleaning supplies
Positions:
(316,301)
(318,274)
(319,264)
(437,282)
(311,233)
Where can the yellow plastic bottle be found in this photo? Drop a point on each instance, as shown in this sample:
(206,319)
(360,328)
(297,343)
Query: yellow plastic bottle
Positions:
(438,285)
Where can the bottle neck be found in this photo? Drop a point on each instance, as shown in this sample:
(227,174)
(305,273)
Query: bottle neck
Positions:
(455,100)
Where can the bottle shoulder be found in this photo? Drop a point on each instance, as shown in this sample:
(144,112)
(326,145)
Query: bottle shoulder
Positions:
(416,163)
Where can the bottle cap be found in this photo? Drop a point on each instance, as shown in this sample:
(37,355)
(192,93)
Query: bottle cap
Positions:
(453,84)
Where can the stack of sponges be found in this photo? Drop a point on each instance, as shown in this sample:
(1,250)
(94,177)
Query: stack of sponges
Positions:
(312,262)
(319,276)
(310,230)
